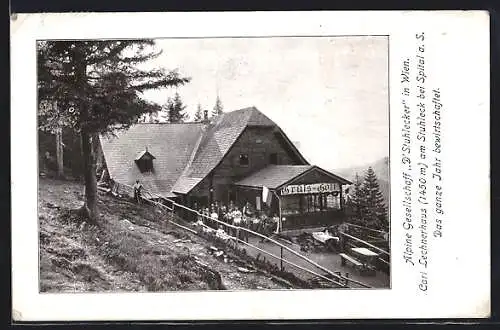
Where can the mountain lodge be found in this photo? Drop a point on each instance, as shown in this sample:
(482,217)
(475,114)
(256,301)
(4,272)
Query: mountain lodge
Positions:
(232,159)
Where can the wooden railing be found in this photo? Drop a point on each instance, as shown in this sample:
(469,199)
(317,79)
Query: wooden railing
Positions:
(171,206)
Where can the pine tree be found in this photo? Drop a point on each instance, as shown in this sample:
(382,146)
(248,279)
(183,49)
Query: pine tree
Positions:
(154,118)
(374,211)
(356,204)
(162,116)
(218,108)
(54,129)
(198,116)
(101,83)
(175,109)
(143,118)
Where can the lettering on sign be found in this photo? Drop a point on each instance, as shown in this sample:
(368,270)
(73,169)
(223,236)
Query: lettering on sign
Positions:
(313,188)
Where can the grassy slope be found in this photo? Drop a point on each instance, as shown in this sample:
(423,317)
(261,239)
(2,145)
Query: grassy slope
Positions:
(131,250)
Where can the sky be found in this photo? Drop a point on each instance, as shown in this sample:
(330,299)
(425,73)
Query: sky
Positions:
(328,94)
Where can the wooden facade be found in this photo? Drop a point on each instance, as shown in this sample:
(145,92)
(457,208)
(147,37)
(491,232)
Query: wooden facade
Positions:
(262,145)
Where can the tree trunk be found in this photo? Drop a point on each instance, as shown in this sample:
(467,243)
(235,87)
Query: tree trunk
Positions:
(59,154)
(89,175)
(99,157)
(88,151)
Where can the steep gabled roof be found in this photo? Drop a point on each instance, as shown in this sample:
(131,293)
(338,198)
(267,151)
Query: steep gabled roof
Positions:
(171,145)
(273,176)
(144,153)
(185,153)
(184,184)
(215,144)
(220,137)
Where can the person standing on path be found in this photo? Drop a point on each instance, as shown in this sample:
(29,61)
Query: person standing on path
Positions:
(137,191)
(342,228)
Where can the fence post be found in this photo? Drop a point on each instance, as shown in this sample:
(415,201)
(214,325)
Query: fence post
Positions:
(172,212)
(281,258)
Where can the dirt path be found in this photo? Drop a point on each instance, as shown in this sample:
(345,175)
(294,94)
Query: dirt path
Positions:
(131,250)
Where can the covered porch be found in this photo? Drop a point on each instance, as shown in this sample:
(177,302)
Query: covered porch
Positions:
(303,196)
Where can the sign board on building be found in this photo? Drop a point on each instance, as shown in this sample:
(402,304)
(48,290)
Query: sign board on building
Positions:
(313,188)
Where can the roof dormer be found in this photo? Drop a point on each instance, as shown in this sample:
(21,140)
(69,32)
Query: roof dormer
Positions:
(144,161)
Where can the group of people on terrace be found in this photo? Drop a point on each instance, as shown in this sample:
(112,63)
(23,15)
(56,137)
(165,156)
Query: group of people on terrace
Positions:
(218,214)
(260,221)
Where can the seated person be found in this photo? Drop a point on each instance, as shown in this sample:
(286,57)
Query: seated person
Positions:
(248,210)
(265,228)
(255,223)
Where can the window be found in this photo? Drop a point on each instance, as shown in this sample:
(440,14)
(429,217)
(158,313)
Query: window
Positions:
(145,165)
(244,160)
(314,203)
(310,203)
(145,162)
(319,202)
(273,159)
(291,204)
(333,201)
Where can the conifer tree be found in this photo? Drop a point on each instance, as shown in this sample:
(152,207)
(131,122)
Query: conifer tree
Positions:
(55,129)
(154,117)
(101,82)
(161,116)
(374,211)
(356,203)
(144,118)
(218,108)
(198,116)
(175,109)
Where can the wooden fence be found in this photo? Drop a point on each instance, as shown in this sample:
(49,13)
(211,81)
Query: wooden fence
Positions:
(170,205)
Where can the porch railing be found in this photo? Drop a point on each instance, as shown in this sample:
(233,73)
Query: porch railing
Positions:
(233,233)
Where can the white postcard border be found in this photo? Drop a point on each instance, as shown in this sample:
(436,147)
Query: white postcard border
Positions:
(458,62)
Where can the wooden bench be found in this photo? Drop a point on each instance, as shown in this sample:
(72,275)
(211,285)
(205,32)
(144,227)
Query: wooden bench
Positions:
(355,262)
(363,269)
